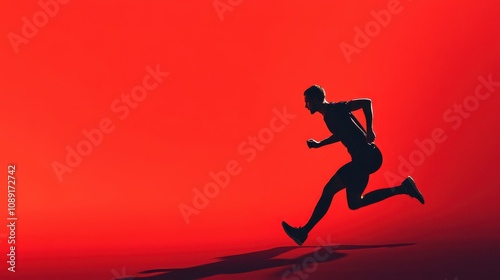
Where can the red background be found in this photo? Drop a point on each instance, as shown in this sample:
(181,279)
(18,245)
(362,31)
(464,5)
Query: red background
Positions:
(226,77)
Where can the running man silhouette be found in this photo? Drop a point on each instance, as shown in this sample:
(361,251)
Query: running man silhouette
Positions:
(365,158)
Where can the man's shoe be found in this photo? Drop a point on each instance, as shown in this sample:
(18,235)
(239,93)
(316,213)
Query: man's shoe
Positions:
(297,234)
(411,189)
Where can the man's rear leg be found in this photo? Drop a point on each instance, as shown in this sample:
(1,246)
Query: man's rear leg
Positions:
(356,199)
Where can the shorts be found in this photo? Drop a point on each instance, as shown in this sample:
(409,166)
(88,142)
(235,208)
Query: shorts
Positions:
(363,163)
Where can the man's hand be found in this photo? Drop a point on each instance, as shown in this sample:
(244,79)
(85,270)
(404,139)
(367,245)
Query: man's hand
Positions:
(311,143)
(370,136)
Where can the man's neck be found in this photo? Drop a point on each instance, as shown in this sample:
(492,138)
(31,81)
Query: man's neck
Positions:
(323,107)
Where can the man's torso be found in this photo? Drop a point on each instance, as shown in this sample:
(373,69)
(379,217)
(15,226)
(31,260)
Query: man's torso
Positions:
(342,123)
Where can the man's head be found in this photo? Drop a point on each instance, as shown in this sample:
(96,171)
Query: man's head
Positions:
(314,96)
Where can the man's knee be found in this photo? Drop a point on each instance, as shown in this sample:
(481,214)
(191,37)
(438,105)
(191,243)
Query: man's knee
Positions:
(330,190)
(354,204)
(334,185)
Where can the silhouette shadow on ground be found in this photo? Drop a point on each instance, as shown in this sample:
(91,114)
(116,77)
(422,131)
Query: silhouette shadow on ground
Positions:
(254,261)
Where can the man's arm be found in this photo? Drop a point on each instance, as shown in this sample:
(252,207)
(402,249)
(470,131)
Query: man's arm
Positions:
(366,105)
(311,143)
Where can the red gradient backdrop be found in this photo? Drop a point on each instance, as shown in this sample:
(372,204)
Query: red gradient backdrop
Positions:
(226,78)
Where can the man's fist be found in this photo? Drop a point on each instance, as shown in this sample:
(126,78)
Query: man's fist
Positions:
(370,136)
(311,143)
